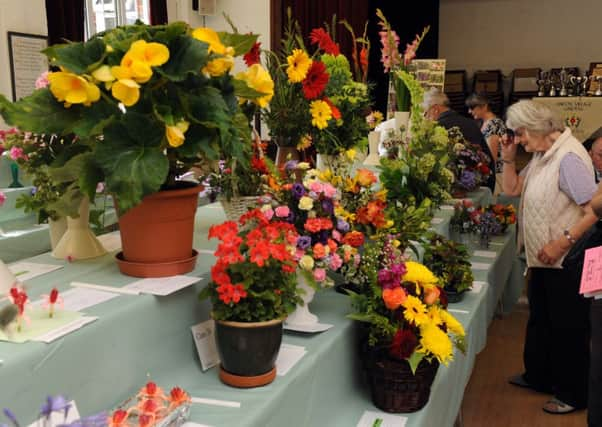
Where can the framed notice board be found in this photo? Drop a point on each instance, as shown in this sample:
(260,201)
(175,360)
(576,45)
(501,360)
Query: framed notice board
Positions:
(26,61)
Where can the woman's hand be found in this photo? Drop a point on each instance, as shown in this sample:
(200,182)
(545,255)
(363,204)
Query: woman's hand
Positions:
(509,145)
(552,251)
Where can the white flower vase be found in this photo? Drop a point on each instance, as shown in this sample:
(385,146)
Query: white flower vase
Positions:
(79,242)
(373,158)
(57,229)
(302,316)
(402,118)
(325,161)
(7,279)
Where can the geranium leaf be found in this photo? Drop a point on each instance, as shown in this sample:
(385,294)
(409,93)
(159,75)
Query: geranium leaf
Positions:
(132,160)
(78,57)
(186,56)
(241,43)
(39,113)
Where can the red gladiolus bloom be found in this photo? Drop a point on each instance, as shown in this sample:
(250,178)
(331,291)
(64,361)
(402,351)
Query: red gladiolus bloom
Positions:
(252,56)
(177,396)
(118,419)
(403,345)
(321,37)
(315,81)
(364,60)
(54,294)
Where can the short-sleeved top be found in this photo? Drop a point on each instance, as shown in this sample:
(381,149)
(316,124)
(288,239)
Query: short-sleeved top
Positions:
(574,179)
(493,127)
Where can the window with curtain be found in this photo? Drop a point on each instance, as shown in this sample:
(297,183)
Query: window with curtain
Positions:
(102,15)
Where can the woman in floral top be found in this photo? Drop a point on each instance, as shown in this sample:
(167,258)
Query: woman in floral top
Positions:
(493,128)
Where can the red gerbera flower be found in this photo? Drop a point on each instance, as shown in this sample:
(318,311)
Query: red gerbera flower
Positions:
(252,56)
(403,345)
(315,81)
(321,37)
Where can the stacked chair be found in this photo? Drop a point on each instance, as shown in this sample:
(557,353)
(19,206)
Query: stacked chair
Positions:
(489,82)
(455,89)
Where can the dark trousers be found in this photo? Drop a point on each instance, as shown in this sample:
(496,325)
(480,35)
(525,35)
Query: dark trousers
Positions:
(556,353)
(594,404)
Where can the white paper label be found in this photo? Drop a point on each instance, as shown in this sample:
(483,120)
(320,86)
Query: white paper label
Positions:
(204,339)
(162,286)
(77,299)
(288,357)
(387,420)
(485,254)
(48,337)
(480,266)
(215,402)
(58,417)
(28,270)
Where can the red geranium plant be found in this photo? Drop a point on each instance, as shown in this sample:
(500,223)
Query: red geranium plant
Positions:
(254,277)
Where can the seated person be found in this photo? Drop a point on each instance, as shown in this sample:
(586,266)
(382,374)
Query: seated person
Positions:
(436,107)
(593,145)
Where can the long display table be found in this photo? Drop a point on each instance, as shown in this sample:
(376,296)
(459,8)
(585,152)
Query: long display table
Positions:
(140,337)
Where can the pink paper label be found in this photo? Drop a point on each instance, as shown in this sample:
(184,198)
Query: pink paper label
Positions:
(591,279)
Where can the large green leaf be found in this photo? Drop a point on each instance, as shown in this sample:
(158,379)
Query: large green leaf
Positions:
(244,91)
(132,159)
(97,116)
(77,57)
(186,56)
(196,138)
(414,360)
(39,112)
(241,43)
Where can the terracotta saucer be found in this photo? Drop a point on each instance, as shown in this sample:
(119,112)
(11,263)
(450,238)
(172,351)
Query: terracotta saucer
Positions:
(246,382)
(162,269)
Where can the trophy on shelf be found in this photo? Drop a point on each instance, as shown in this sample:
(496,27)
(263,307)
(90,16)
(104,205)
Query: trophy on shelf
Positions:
(563,77)
(579,84)
(542,82)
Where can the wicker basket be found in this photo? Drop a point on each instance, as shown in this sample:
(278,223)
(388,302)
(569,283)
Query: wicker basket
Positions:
(237,206)
(393,386)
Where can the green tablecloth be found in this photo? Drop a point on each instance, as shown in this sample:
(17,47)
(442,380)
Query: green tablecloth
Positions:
(140,336)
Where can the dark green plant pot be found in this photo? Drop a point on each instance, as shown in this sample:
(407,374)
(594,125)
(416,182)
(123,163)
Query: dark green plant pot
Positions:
(454,296)
(248,351)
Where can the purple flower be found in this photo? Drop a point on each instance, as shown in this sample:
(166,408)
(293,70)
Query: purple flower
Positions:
(468,180)
(342,225)
(53,404)
(291,217)
(34,190)
(291,164)
(303,242)
(11,416)
(399,270)
(298,190)
(323,236)
(328,206)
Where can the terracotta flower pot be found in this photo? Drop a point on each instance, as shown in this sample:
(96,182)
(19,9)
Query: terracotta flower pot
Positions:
(248,351)
(157,234)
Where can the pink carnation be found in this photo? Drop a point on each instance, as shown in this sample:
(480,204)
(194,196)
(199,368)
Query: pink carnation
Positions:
(282,211)
(316,187)
(268,213)
(319,274)
(17,153)
(42,81)
(335,262)
(329,190)
(336,235)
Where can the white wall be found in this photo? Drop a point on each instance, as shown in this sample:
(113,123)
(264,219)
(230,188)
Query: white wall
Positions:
(508,34)
(24,17)
(249,16)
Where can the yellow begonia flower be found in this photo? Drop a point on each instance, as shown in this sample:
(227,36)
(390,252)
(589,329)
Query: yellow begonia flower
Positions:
(320,114)
(259,79)
(103,74)
(298,66)
(135,69)
(175,134)
(218,66)
(153,54)
(72,89)
(127,91)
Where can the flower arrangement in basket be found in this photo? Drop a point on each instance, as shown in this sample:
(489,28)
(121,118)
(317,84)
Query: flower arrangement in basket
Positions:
(317,99)
(504,215)
(394,61)
(409,330)
(450,262)
(469,163)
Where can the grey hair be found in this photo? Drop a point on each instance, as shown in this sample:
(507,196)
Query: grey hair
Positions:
(434,97)
(534,117)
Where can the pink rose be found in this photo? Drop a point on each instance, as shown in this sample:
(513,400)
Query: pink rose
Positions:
(319,274)
(282,211)
(329,191)
(335,262)
(316,187)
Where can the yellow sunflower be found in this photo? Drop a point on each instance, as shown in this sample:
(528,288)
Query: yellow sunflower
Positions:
(419,274)
(435,315)
(415,311)
(452,324)
(433,340)
(298,65)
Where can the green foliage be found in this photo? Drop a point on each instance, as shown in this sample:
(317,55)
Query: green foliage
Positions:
(450,261)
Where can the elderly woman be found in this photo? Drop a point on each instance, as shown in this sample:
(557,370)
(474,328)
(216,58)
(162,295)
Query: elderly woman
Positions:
(556,187)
